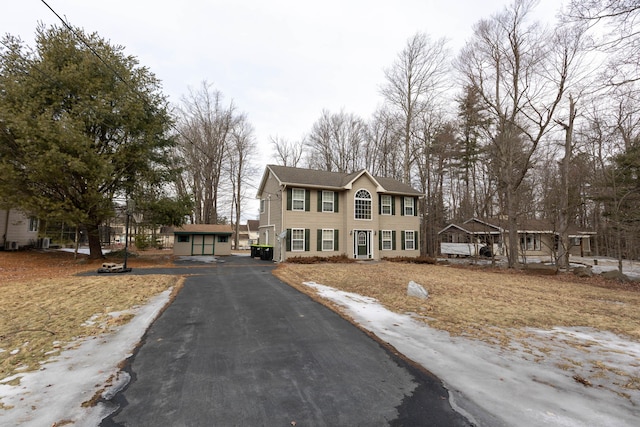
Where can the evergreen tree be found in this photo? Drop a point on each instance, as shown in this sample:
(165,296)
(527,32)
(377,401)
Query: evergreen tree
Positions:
(80,123)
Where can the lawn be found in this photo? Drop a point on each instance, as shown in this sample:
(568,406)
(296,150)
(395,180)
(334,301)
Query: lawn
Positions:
(483,303)
(44,307)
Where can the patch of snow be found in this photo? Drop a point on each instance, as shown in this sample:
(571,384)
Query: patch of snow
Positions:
(527,384)
(54,394)
(207,259)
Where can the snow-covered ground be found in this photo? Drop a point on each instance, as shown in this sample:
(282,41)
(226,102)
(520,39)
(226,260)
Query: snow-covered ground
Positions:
(534,383)
(54,394)
(530,385)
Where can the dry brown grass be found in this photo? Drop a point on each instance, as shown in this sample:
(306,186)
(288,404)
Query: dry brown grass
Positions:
(44,307)
(483,304)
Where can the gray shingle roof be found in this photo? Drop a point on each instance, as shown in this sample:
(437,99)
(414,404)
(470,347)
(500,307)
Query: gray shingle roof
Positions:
(337,180)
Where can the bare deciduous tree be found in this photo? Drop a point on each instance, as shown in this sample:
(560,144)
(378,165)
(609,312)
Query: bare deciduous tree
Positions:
(287,153)
(507,62)
(205,125)
(413,83)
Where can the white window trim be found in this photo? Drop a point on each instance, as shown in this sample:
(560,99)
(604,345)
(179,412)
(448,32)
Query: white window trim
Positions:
(409,206)
(34,224)
(293,232)
(389,240)
(298,199)
(355,199)
(331,200)
(536,241)
(262,203)
(331,230)
(407,240)
(385,205)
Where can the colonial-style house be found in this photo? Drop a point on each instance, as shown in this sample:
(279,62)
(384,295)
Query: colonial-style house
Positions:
(536,237)
(202,239)
(17,229)
(306,212)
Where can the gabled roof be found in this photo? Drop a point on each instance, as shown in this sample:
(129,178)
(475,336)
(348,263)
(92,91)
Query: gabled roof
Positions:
(337,181)
(500,225)
(204,229)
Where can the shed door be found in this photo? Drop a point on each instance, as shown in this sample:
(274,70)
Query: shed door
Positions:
(203,244)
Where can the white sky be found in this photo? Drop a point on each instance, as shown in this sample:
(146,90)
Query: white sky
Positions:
(281,61)
(524,385)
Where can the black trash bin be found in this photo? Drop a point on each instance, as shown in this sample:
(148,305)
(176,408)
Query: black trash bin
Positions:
(267,253)
(255,251)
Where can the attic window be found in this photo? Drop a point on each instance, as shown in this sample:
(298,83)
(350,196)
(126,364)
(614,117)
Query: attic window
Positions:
(362,204)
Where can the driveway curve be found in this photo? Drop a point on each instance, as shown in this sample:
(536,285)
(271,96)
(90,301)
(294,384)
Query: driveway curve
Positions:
(237,347)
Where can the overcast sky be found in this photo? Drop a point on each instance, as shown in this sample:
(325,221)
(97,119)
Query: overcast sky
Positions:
(281,61)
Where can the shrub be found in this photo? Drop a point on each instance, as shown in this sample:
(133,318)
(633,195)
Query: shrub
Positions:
(413,260)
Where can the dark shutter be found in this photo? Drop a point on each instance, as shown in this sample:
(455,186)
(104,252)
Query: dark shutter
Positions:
(416,238)
(288,238)
(393,240)
(336,197)
(380,205)
(379,240)
(415,206)
(319,240)
(393,205)
(307,200)
(319,200)
(289,196)
(336,239)
(402,240)
(307,237)
(402,207)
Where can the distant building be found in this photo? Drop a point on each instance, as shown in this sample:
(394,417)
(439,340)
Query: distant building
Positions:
(18,229)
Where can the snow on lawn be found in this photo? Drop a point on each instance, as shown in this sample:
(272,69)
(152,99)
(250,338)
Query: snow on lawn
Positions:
(54,394)
(544,382)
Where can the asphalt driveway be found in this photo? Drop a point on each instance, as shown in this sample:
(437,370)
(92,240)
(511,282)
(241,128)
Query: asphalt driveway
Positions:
(238,347)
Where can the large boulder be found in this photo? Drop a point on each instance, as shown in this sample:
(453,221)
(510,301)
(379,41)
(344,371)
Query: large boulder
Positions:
(585,271)
(615,275)
(416,290)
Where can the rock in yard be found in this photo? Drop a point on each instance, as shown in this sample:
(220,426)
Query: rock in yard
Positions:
(416,290)
(583,271)
(615,275)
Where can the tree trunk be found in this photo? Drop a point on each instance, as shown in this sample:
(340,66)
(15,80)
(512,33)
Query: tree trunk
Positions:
(563,217)
(95,248)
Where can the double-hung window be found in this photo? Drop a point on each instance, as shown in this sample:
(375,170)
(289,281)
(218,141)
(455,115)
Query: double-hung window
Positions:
(387,243)
(385,205)
(297,239)
(409,208)
(409,240)
(297,199)
(327,201)
(327,240)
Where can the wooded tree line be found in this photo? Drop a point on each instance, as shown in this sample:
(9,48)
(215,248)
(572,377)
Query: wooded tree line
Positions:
(527,120)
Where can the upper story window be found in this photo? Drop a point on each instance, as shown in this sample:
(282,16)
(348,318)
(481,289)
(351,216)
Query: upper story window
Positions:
(327,201)
(262,206)
(409,208)
(386,205)
(33,224)
(362,204)
(297,199)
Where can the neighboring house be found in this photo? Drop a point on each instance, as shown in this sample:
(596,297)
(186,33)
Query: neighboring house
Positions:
(247,234)
(17,229)
(202,239)
(306,212)
(536,237)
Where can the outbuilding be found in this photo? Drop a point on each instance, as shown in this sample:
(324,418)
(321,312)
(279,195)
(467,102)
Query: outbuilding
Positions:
(202,239)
